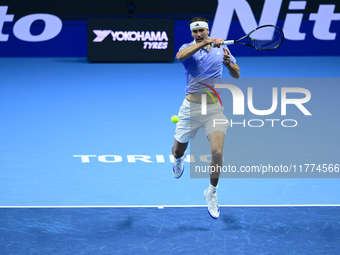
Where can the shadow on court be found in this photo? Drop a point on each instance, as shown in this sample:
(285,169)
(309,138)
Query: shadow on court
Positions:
(245,230)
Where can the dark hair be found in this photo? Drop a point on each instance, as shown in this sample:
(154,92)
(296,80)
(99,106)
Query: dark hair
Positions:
(198,19)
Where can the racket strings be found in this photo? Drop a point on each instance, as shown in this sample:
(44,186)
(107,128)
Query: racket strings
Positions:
(266,38)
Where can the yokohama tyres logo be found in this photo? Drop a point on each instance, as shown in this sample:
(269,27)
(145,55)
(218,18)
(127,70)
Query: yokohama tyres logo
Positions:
(151,39)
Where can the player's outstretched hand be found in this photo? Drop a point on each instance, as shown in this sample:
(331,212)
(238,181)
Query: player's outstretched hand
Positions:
(226,57)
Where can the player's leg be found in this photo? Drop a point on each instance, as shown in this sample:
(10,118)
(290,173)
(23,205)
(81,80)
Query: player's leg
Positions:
(216,131)
(182,135)
(186,128)
(179,152)
(210,194)
(216,145)
(179,148)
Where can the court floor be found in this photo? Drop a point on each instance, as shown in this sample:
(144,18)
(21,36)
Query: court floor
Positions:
(93,142)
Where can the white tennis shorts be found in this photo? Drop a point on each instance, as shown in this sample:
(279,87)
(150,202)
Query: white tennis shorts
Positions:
(191,120)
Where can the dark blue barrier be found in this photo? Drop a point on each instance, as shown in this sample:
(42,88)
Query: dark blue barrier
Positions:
(72,41)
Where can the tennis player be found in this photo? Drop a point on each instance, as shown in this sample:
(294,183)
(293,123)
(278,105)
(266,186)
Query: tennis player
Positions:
(203,58)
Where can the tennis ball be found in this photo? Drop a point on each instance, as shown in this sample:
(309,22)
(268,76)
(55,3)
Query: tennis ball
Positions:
(174,119)
(252,39)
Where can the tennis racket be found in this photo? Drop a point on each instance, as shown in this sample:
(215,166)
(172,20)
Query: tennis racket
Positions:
(267,37)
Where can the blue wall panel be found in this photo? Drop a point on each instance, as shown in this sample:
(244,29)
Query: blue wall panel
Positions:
(72,41)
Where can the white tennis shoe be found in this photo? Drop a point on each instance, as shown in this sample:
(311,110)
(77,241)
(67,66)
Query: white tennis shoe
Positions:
(211,199)
(178,167)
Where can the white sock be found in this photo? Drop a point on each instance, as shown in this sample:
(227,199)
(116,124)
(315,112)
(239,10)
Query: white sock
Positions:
(212,189)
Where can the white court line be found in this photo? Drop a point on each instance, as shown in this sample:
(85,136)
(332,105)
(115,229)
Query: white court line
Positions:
(164,206)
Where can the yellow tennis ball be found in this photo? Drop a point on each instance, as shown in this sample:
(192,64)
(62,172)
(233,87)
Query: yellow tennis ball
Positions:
(174,119)
(252,39)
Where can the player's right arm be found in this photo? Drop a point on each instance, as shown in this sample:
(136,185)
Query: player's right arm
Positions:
(192,49)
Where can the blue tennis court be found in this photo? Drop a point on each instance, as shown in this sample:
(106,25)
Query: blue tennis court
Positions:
(86,164)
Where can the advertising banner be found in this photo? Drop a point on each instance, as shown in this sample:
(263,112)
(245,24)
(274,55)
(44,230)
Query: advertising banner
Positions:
(311,27)
(130,40)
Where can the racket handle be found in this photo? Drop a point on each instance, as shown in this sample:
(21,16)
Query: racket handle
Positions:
(226,42)
(229,42)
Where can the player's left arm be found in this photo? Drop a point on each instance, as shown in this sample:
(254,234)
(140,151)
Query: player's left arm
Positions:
(234,69)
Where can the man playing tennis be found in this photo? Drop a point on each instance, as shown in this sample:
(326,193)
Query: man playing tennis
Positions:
(202,58)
